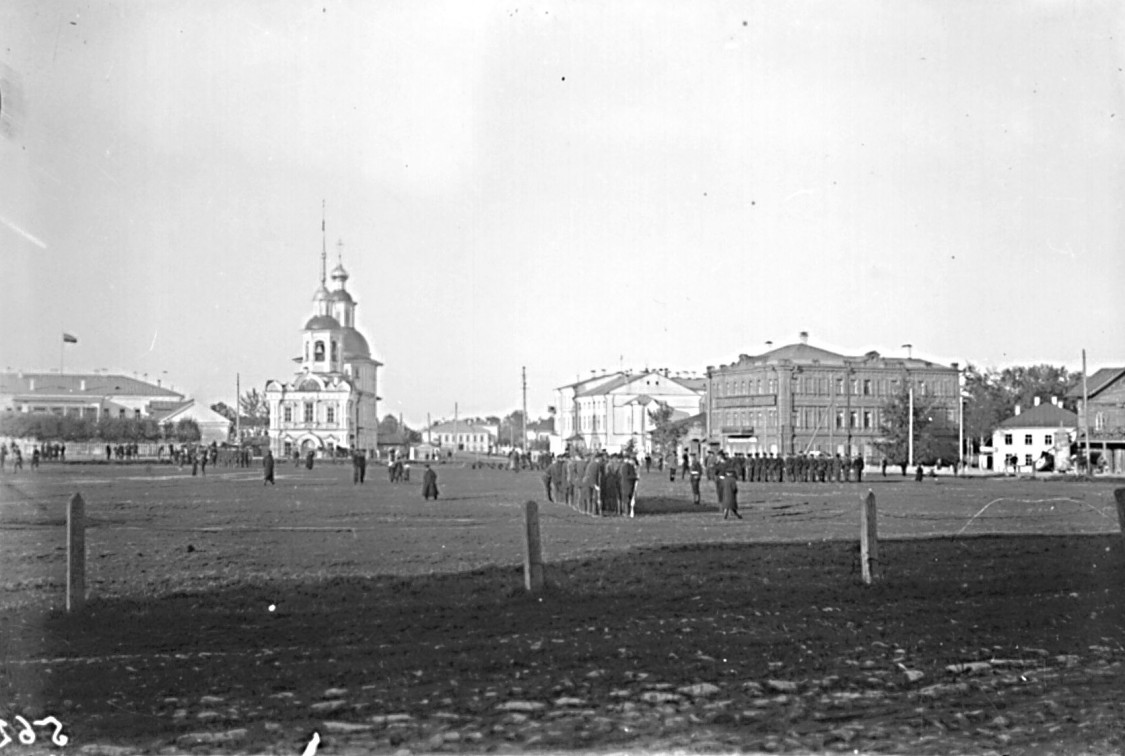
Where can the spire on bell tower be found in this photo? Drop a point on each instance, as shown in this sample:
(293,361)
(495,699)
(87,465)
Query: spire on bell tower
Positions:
(323,247)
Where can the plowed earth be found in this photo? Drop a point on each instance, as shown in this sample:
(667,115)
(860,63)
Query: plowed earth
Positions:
(225,616)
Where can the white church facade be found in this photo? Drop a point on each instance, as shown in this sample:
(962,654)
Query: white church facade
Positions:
(331,404)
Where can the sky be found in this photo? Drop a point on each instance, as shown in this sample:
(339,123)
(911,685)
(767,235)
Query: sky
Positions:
(564,187)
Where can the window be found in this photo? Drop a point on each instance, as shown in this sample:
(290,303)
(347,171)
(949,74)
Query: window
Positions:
(1049,439)
(1099,421)
(867,387)
(355,373)
(330,411)
(136,414)
(335,350)
(839,418)
(318,351)
(309,412)
(853,419)
(867,424)
(1027,459)
(855,386)
(1007,439)
(287,413)
(840,386)
(1027,440)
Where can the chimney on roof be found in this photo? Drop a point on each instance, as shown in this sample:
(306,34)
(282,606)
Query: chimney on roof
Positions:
(804,337)
(1017,409)
(1036,401)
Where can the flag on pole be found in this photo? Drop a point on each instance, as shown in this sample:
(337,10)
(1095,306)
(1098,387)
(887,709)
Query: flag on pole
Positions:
(68,339)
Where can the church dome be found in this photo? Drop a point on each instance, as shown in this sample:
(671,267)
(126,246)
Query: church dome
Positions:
(339,274)
(321,293)
(321,323)
(355,345)
(340,296)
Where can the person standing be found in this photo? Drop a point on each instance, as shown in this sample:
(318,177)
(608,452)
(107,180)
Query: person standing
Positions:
(858,464)
(695,474)
(267,468)
(729,482)
(429,484)
(628,477)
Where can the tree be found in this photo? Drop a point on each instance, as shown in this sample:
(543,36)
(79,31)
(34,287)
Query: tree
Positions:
(934,438)
(225,410)
(666,433)
(254,408)
(388,426)
(992,395)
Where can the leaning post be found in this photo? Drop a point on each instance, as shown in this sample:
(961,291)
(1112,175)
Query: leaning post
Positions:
(1119,494)
(75,553)
(533,550)
(868,539)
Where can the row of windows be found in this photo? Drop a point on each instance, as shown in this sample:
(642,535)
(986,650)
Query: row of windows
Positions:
(809,417)
(308,411)
(1029,439)
(811,385)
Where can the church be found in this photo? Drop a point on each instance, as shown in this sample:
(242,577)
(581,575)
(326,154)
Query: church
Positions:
(330,405)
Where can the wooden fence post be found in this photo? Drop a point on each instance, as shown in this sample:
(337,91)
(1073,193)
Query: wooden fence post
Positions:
(75,553)
(868,539)
(533,551)
(1119,494)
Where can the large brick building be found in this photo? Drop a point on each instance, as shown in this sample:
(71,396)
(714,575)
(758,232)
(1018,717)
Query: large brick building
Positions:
(800,398)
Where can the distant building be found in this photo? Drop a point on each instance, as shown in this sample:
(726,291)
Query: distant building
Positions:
(88,395)
(1020,441)
(800,398)
(331,403)
(462,436)
(608,411)
(213,427)
(1105,417)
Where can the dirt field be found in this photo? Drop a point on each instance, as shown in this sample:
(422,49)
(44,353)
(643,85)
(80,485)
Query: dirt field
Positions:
(226,616)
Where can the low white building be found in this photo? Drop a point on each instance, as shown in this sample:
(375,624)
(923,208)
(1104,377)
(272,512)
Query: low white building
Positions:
(462,436)
(213,427)
(1019,442)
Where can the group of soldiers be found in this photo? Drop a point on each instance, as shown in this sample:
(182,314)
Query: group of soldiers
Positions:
(598,484)
(790,468)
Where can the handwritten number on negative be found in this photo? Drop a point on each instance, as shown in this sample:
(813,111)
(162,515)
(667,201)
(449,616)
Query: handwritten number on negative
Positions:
(26,734)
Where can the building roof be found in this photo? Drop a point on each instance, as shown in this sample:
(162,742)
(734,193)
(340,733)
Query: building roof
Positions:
(322,323)
(461,427)
(803,354)
(71,384)
(696,385)
(1043,416)
(1097,382)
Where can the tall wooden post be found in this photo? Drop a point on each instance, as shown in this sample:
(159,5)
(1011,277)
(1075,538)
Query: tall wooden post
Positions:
(868,539)
(75,553)
(1119,494)
(533,551)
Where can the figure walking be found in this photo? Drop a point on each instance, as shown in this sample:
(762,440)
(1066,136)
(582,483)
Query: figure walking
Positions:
(267,468)
(429,484)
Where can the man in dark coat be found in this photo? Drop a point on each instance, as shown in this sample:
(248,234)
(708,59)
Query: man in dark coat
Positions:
(429,484)
(267,468)
(858,464)
(729,484)
(627,475)
(359,467)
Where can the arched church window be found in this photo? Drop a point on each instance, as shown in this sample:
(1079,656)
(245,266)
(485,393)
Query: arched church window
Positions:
(318,351)
(334,350)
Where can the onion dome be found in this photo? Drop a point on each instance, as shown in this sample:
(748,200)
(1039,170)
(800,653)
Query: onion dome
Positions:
(355,345)
(339,274)
(321,323)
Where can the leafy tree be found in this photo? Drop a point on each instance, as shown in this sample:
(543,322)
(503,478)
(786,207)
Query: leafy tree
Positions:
(511,429)
(254,408)
(225,410)
(388,426)
(666,433)
(934,437)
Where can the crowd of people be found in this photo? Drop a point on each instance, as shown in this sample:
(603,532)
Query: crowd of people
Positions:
(598,484)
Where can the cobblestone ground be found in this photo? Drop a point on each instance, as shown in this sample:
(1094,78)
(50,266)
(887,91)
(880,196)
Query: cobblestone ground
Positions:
(996,644)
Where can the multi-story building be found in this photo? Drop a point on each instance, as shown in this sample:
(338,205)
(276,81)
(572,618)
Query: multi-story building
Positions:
(1020,441)
(1105,417)
(610,410)
(331,403)
(800,399)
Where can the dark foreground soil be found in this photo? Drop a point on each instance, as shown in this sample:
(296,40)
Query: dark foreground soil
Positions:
(715,648)
(968,644)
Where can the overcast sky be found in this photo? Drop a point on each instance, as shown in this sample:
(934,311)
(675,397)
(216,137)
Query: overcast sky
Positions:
(562,186)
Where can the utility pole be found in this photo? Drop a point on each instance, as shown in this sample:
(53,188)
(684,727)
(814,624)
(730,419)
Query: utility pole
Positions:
(524,443)
(238,408)
(1085,412)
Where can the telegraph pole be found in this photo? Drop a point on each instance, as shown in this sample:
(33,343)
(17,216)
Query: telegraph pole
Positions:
(1086,412)
(524,442)
(238,408)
